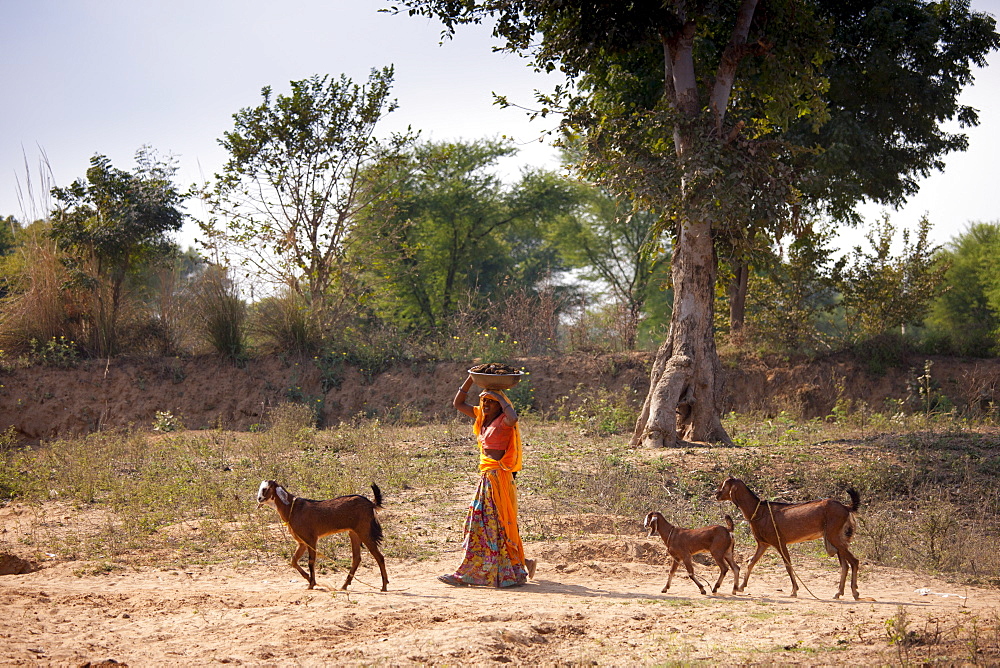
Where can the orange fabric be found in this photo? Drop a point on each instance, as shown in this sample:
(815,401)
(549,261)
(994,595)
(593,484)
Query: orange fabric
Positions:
(504,492)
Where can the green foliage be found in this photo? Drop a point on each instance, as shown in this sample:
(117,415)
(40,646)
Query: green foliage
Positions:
(924,393)
(9,230)
(884,290)
(888,59)
(522,395)
(457,234)
(967,313)
(789,298)
(286,323)
(165,422)
(287,201)
(60,352)
(610,241)
(603,413)
(109,227)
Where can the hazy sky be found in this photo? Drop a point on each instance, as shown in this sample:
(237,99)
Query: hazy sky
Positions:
(106,76)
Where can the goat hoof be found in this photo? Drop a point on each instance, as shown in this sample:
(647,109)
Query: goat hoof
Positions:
(664,590)
(836,596)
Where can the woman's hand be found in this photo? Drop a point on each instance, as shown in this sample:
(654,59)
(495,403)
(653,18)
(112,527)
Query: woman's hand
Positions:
(509,414)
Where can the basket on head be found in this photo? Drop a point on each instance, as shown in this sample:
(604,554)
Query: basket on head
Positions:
(496,381)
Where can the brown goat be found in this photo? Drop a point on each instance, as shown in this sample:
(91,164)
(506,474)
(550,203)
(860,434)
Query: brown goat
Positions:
(683,543)
(779,524)
(308,521)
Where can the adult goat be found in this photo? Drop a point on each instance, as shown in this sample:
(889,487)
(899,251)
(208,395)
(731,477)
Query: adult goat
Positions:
(779,524)
(309,520)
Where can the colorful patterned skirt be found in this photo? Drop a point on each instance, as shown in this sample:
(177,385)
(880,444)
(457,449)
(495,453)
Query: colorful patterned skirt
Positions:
(487,562)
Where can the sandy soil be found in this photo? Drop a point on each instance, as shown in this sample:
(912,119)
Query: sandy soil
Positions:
(590,603)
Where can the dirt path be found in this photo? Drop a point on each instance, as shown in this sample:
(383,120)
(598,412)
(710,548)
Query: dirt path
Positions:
(590,611)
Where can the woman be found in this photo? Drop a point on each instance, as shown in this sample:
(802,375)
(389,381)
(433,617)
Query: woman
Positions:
(494,556)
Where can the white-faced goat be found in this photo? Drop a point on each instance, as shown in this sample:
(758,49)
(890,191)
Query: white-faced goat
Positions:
(308,521)
(683,543)
(779,524)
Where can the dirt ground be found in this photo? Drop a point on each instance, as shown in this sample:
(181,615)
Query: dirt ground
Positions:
(594,601)
(44,403)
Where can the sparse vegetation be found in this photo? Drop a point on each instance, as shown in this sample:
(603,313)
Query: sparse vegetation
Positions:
(927,484)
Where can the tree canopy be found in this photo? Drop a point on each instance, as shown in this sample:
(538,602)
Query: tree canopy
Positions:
(287,200)
(456,229)
(687,108)
(111,224)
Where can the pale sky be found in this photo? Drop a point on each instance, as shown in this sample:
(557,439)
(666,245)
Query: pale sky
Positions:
(106,76)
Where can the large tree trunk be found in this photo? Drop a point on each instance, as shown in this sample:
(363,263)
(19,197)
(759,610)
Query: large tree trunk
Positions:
(685,384)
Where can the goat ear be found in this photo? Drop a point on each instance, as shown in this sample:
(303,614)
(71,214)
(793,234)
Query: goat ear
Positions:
(282,494)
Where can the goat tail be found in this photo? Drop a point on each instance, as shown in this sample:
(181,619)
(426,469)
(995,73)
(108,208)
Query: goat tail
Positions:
(729,523)
(376,531)
(855,499)
(378,495)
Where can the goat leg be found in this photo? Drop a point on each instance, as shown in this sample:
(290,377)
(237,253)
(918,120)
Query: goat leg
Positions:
(723,569)
(312,566)
(295,562)
(846,558)
(673,568)
(690,570)
(736,572)
(787,558)
(355,557)
(379,559)
(761,548)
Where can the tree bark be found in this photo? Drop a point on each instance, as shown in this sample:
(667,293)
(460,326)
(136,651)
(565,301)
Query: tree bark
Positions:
(684,389)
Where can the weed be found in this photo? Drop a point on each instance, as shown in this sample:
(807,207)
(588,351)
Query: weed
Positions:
(59,352)
(166,422)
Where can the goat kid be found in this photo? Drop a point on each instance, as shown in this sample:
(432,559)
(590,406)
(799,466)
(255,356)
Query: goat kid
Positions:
(309,520)
(681,544)
(777,524)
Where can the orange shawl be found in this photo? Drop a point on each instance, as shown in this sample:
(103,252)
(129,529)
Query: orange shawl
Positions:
(504,493)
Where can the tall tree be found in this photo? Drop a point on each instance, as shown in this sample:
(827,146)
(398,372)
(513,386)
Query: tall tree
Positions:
(111,225)
(670,121)
(964,312)
(684,106)
(289,196)
(895,72)
(458,229)
(609,240)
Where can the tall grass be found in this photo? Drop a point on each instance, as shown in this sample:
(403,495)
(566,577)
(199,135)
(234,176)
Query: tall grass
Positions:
(39,308)
(285,323)
(220,314)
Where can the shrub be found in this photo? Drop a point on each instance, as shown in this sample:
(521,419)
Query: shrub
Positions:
(286,323)
(220,314)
